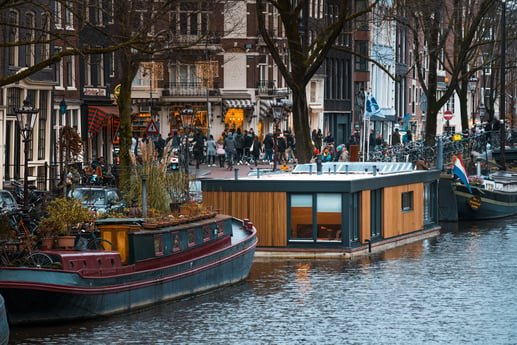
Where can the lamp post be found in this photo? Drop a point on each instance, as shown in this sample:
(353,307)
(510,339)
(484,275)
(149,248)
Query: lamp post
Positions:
(187,117)
(278,108)
(209,74)
(502,108)
(26,118)
(473,84)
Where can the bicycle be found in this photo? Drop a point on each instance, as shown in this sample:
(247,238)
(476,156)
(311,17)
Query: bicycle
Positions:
(12,255)
(91,242)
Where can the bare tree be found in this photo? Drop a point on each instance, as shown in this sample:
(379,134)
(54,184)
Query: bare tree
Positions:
(446,35)
(309,41)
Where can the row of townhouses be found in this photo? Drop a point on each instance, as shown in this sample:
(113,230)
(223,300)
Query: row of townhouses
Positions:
(229,80)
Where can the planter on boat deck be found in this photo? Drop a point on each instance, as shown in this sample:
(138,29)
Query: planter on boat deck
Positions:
(66,242)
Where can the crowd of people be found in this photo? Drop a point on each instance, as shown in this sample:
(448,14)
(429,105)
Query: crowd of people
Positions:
(244,147)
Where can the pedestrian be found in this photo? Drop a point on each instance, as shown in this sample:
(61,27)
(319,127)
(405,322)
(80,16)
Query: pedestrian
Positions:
(319,139)
(408,137)
(159,144)
(341,154)
(219,150)
(395,137)
(199,147)
(230,149)
(268,148)
(281,146)
(211,151)
(239,146)
(291,142)
(256,149)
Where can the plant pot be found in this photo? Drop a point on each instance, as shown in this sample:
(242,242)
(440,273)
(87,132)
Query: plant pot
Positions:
(47,243)
(66,242)
(175,207)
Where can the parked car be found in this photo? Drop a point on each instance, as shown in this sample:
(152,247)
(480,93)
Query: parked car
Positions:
(99,198)
(7,201)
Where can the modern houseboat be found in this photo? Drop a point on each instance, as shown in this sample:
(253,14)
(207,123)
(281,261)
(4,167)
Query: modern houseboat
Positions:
(343,209)
(150,263)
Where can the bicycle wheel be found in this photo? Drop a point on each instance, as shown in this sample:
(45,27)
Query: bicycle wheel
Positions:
(40,260)
(99,244)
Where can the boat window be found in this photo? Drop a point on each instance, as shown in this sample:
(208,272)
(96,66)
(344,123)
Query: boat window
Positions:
(328,216)
(220,229)
(191,238)
(206,233)
(158,245)
(301,216)
(407,201)
(175,240)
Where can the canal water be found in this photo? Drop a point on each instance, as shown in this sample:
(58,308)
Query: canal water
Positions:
(457,288)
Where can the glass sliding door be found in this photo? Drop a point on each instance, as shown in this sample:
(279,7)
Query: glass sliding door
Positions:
(301,216)
(328,216)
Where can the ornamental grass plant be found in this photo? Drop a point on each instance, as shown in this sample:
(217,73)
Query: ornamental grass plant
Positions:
(163,188)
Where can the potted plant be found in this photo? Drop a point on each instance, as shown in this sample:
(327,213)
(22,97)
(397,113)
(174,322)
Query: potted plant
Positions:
(48,232)
(65,213)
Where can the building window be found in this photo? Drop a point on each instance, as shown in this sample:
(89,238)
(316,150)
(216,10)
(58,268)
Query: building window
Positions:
(13,30)
(57,15)
(42,127)
(193,19)
(29,37)
(95,12)
(407,201)
(361,64)
(70,72)
(69,17)
(45,47)
(94,70)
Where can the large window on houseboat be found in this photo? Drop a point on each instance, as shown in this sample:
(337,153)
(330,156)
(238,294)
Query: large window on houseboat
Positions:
(328,216)
(301,216)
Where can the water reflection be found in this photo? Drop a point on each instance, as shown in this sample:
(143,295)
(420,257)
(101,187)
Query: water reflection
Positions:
(455,288)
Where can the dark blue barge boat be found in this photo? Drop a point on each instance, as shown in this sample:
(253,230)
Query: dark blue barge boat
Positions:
(149,266)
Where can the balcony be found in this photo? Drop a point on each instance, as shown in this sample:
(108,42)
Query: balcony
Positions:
(266,87)
(194,89)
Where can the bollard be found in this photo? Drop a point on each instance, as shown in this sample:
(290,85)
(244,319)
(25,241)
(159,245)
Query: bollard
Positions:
(236,174)
(369,245)
(258,172)
(335,169)
(346,169)
(310,169)
(319,165)
(374,170)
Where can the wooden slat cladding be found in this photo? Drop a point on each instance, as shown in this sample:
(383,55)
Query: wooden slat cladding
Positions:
(267,210)
(365,224)
(396,222)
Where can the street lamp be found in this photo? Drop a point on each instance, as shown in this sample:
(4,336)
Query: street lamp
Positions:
(187,118)
(278,108)
(209,75)
(473,84)
(26,118)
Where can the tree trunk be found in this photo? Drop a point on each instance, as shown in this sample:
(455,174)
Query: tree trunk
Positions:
(304,147)
(129,67)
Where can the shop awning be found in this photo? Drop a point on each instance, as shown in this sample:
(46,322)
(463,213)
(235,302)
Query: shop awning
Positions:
(97,116)
(265,108)
(384,114)
(238,103)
